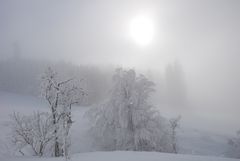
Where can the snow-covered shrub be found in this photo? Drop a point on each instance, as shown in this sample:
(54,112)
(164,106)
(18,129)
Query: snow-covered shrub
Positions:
(174,125)
(33,131)
(234,146)
(126,121)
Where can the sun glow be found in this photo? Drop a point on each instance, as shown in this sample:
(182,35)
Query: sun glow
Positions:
(142,30)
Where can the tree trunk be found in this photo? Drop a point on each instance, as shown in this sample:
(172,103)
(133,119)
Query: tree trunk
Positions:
(131,129)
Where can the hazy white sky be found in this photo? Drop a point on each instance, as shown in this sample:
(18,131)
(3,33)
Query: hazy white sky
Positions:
(203,35)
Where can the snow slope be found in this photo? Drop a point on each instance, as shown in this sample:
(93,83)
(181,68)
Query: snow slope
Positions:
(125,156)
(194,141)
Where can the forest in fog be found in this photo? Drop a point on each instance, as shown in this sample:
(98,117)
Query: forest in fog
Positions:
(123,107)
(22,76)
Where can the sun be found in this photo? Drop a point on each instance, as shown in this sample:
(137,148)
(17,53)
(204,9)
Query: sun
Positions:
(141,30)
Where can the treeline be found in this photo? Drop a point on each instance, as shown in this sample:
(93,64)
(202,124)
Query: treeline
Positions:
(22,76)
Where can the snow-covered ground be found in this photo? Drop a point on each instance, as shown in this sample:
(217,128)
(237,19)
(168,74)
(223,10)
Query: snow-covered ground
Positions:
(192,141)
(125,156)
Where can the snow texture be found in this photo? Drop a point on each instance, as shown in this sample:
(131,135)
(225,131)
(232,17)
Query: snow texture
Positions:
(126,156)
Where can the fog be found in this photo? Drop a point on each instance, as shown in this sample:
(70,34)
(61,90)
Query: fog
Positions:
(202,36)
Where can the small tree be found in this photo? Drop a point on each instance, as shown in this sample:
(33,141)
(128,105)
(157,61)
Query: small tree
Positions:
(127,121)
(174,125)
(234,146)
(34,131)
(60,95)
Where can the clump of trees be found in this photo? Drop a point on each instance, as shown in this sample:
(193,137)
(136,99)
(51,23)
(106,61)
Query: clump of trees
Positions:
(49,129)
(126,121)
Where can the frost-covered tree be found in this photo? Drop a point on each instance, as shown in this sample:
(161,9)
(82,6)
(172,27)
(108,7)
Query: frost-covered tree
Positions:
(234,146)
(174,125)
(34,131)
(127,121)
(60,95)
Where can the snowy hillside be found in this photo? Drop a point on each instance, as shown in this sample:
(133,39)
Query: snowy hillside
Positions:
(194,141)
(191,141)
